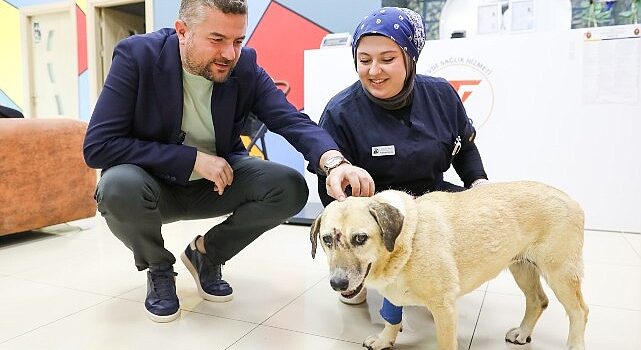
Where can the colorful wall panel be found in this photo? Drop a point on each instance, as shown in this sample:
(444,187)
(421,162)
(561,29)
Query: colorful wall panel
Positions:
(280,39)
(336,16)
(12,67)
(11,58)
(279,30)
(165,13)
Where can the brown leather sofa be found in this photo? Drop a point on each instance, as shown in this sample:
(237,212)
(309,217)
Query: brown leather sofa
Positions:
(43,177)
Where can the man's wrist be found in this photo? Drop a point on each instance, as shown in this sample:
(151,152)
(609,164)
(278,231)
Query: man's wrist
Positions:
(333,162)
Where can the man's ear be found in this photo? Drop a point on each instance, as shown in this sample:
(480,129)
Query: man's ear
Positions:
(313,234)
(390,221)
(181,28)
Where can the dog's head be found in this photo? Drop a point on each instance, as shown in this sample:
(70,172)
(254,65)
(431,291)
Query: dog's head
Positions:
(355,233)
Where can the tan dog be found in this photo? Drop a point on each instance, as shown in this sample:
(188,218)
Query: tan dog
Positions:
(433,249)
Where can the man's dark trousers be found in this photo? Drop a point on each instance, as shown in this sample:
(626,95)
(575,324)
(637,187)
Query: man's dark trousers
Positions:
(135,204)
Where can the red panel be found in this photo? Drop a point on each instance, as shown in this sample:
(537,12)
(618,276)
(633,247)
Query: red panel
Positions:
(280,39)
(81,24)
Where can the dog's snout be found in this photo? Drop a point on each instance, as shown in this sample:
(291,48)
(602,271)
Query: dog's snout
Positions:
(339,283)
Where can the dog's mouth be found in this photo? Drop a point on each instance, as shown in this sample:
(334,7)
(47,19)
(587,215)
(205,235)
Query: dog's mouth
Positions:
(353,293)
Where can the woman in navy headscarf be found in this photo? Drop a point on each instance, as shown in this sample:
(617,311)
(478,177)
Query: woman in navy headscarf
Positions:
(404,129)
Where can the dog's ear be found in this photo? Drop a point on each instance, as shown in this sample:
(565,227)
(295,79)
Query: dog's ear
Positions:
(390,220)
(313,234)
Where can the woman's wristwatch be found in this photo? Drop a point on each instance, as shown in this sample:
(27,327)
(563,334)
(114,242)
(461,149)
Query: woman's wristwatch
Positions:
(334,162)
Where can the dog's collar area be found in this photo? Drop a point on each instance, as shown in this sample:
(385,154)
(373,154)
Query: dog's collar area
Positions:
(350,295)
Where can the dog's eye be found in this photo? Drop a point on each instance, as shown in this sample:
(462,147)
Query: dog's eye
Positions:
(359,239)
(327,240)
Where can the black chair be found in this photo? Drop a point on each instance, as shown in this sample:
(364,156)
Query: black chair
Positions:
(256,130)
(6,112)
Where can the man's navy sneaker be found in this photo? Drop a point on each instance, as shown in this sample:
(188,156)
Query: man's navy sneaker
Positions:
(162,302)
(208,276)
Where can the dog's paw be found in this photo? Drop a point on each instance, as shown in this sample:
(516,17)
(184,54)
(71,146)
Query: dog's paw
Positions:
(373,342)
(518,336)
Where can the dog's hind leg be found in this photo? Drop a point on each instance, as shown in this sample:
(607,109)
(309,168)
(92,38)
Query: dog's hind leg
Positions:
(528,279)
(567,288)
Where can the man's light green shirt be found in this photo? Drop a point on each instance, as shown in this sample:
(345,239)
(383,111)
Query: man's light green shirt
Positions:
(197,120)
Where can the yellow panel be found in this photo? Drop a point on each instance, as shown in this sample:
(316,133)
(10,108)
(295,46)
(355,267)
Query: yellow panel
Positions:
(255,151)
(82,4)
(11,66)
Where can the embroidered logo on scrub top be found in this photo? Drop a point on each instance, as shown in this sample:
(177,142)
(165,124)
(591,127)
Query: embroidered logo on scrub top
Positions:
(379,151)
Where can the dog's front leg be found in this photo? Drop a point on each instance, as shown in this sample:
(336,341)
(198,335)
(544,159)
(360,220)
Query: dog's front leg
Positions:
(445,319)
(384,339)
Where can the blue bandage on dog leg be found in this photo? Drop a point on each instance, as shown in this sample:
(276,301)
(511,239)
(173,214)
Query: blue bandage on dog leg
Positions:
(391,313)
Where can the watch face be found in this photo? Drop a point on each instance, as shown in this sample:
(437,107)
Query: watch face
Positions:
(332,163)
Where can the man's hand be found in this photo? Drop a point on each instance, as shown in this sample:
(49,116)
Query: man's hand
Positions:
(346,174)
(214,169)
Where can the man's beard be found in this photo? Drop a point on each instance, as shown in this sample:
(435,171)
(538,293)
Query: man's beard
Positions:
(207,69)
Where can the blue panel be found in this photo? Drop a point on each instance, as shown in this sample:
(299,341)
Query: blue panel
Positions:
(280,151)
(22,3)
(256,10)
(334,15)
(165,13)
(7,102)
(83,95)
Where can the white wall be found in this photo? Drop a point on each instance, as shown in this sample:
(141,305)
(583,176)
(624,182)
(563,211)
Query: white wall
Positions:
(551,107)
(549,15)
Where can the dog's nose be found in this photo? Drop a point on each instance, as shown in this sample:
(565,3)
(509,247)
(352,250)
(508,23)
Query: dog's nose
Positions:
(339,283)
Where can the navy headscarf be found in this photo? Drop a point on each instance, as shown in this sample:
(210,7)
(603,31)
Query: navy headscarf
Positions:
(405,28)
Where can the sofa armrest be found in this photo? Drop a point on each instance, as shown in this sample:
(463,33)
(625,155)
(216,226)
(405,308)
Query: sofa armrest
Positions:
(43,177)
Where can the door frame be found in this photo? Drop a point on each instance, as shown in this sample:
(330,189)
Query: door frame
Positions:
(26,13)
(94,37)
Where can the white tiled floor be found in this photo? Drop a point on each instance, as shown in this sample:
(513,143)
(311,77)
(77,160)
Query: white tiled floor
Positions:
(74,288)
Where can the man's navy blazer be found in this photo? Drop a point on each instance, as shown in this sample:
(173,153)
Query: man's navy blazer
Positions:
(138,115)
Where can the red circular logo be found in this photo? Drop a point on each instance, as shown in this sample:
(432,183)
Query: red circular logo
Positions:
(473,86)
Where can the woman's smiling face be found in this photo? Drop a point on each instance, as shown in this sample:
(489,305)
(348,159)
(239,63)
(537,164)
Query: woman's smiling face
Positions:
(380,64)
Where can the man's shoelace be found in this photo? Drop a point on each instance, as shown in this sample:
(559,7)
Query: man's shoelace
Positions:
(211,266)
(163,284)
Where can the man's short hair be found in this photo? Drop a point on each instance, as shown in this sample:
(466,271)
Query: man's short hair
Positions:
(191,11)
